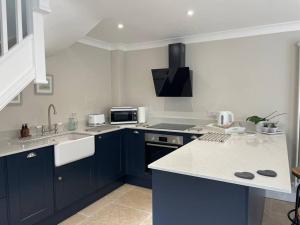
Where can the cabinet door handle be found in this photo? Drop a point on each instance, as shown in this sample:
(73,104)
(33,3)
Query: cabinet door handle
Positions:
(194,137)
(60,178)
(31,155)
(136,132)
(99,137)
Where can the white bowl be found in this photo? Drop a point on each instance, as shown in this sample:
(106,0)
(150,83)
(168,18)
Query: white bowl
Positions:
(273,130)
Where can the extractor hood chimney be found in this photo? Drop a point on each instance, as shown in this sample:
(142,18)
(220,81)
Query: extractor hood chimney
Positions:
(176,56)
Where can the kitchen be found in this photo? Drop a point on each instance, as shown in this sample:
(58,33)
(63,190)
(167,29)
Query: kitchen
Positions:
(231,74)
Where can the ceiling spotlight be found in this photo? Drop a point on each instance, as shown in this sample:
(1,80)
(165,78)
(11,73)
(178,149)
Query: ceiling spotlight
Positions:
(120,26)
(190,13)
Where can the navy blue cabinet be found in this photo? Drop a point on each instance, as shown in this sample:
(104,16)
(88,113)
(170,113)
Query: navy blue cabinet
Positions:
(30,186)
(109,158)
(187,138)
(3,212)
(134,144)
(2,179)
(3,205)
(73,182)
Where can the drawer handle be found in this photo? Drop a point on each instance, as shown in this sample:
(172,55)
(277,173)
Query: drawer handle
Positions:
(136,132)
(194,137)
(31,155)
(99,137)
(60,178)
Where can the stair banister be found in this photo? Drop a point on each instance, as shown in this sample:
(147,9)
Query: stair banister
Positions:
(25,61)
(19,21)
(40,7)
(3,27)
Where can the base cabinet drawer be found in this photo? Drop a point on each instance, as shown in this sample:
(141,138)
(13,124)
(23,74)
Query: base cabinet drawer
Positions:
(3,212)
(30,186)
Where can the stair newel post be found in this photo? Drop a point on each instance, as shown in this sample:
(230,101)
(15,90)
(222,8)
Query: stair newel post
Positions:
(40,8)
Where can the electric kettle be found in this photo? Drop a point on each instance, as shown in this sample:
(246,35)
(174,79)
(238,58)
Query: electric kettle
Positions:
(225,119)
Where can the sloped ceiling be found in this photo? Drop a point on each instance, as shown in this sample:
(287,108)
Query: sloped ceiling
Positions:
(69,21)
(155,20)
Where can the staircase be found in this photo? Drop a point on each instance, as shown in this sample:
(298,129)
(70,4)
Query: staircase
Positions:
(22,48)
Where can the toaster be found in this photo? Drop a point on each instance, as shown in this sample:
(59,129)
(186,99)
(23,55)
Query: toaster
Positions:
(96,120)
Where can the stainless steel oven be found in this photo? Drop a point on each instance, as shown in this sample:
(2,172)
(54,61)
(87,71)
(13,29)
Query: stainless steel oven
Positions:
(123,115)
(160,145)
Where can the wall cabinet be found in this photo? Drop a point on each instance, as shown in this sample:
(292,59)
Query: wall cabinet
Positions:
(134,144)
(30,186)
(73,182)
(109,158)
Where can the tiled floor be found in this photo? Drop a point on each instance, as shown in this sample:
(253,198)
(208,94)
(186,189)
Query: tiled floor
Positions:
(276,212)
(128,205)
(131,205)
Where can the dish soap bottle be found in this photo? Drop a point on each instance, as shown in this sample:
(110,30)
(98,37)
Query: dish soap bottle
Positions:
(73,122)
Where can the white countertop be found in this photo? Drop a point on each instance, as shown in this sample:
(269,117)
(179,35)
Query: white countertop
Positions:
(241,153)
(14,146)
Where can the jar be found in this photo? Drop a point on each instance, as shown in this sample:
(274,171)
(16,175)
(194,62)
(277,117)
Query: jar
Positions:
(73,122)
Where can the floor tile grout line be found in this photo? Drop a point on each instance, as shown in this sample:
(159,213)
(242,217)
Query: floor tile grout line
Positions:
(141,210)
(112,201)
(142,223)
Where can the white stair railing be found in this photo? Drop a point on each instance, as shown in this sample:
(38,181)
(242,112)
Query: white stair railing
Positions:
(3,28)
(22,48)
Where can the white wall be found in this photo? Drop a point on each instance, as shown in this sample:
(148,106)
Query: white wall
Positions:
(117,76)
(255,75)
(82,84)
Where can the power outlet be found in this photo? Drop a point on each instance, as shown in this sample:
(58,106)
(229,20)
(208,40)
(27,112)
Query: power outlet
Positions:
(213,115)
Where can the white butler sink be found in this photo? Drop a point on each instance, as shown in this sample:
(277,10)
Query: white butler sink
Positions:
(72,147)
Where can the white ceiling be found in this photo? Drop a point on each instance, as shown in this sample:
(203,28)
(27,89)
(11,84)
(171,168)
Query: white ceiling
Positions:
(69,21)
(147,21)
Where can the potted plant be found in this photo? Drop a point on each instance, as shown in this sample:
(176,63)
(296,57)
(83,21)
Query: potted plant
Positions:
(262,124)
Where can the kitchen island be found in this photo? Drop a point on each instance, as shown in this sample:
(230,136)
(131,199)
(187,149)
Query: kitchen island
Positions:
(196,185)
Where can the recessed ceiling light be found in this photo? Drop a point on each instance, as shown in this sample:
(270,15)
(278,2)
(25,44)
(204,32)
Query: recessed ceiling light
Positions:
(190,13)
(120,26)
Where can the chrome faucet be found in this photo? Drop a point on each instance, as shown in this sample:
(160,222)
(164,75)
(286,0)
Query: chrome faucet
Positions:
(49,117)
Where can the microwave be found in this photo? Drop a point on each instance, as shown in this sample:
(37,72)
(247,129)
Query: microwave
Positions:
(123,115)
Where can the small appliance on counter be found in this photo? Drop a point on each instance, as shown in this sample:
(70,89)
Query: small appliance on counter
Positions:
(95,120)
(142,114)
(123,115)
(225,119)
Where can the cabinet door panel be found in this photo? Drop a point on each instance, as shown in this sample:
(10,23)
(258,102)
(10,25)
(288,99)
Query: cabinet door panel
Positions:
(2,179)
(74,181)
(30,186)
(134,143)
(109,158)
(3,212)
